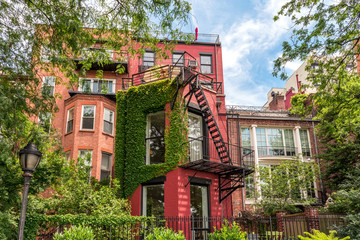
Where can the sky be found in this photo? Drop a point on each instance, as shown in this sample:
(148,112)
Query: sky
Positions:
(250,42)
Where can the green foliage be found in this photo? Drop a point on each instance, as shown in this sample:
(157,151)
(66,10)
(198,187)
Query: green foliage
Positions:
(351,227)
(298,105)
(164,234)
(132,109)
(321,236)
(328,34)
(76,233)
(228,232)
(285,185)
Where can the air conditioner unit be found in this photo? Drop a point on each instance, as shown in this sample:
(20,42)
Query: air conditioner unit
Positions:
(192,63)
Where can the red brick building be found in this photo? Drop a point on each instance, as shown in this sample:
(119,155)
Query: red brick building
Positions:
(201,187)
(274,135)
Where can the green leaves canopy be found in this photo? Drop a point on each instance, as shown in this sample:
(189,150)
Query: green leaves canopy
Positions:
(326,35)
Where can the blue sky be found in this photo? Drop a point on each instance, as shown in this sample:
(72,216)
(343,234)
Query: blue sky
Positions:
(250,40)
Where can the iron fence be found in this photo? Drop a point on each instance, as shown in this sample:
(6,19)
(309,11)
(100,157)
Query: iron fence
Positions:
(196,228)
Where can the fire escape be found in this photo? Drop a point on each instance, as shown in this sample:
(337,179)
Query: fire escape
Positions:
(232,173)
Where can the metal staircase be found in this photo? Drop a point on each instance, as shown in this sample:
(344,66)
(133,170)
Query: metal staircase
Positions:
(209,119)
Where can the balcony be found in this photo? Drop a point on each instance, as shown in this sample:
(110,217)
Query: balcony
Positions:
(203,150)
(107,60)
(171,68)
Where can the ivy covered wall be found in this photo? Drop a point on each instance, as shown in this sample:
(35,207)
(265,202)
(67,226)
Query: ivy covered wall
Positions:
(132,109)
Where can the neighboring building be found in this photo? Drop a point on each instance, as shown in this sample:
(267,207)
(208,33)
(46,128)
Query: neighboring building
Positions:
(202,185)
(279,98)
(273,136)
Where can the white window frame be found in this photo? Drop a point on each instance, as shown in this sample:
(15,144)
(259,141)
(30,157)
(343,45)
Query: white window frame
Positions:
(308,139)
(45,83)
(67,120)
(82,117)
(111,121)
(211,65)
(92,84)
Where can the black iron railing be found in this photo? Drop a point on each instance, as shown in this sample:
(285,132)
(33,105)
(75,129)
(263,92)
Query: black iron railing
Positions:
(204,148)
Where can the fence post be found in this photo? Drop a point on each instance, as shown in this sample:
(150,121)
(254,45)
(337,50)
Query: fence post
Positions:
(279,221)
(312,218)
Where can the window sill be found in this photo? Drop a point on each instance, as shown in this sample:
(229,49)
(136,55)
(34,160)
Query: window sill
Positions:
(68,133)
(87,130)
(108,134)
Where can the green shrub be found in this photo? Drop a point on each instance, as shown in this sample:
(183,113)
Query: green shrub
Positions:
(228,232)
(76,233)
(164,234)
(321,236)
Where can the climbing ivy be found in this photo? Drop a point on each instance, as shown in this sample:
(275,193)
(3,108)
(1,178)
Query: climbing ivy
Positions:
(132,109)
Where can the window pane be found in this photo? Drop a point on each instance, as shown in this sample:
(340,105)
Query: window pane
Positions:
(275,141)
(205,69)
(149,59)
(305,142)
(48,85)
(88,111)
(108,115)
(86,154)
(205,59)
(178,59)
(155,144)
(250,186)
(261,141)
(195,137)
(289,142)
(105,166)
(70,121)
(88,123)
(153,200)
(86,85)
(199,209)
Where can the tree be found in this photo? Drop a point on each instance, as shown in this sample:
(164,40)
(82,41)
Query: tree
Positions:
(36,36)
(326,35)
(283,186)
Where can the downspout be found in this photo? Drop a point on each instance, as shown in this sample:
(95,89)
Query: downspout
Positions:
(216,71)
(318,163)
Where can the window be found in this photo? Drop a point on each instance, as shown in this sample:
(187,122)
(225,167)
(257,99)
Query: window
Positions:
(195,137)
(96,85)
(88,117)
(275,142)
(45,121)
(97,54)
(250,187)
(305,146)
(105,165)
(178,59)
(86,156)
(153,200)
(206,63)
(199,207)
(70,120)
(67,155)
(149,59)
(155,144)
(245,140)
(108,121)
(48,85)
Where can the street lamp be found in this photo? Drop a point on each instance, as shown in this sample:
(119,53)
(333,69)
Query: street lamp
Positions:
(29,159)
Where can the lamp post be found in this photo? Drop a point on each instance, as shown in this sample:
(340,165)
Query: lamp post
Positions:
(29,159)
